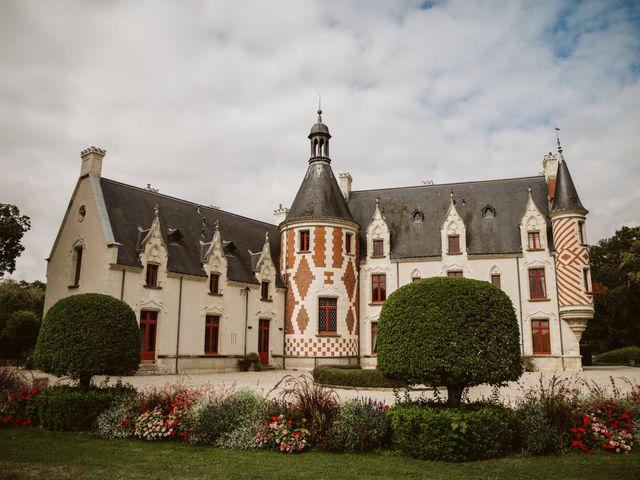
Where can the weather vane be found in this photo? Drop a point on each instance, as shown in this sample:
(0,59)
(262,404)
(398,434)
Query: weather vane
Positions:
(558,140)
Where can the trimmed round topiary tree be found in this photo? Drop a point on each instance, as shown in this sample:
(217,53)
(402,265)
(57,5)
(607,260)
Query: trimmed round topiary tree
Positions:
(449,331)
(86,335)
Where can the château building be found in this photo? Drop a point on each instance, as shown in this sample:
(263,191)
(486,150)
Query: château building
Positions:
(209,286)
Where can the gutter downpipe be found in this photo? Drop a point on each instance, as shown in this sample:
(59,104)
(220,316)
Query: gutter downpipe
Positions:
(284,330)
(124,271)
(520,302)
(179,317)
(246,317)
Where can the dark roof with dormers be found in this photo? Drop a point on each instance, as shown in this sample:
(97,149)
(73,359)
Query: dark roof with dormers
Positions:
(130,208)
(566,196)
(486,234)
(319,196)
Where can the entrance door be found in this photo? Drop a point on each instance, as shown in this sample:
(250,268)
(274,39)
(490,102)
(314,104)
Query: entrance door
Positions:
(148,324)
(263,340)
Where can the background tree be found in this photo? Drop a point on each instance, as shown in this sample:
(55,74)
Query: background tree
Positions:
(15,297)
(86,335)
(455,332)
(615,275)
(20,334)
(12,227)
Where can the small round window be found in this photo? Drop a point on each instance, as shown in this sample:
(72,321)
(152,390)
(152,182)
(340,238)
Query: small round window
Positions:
(82,212)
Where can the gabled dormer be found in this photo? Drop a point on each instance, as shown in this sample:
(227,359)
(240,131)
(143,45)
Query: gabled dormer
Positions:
(378,235)
(265,270)
(533,228)
(153,252)
(453,232)
(214,262)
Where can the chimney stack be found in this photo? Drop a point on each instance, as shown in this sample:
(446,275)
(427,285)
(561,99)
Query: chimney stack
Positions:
(92,161)
(279,214)
(345,184)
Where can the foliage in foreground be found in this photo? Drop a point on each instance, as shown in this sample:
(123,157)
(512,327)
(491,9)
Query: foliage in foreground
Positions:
(447,331)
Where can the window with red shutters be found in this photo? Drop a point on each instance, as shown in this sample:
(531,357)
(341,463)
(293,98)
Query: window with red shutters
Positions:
(211,334)
(537,284)
(541,337)
(327,316)
(152,275)
(378,248)
(214,284)
(378,288)
(304,241)
(534,241)
(454,244)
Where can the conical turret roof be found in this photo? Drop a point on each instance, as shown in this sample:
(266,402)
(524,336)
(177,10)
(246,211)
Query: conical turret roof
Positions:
(566,196)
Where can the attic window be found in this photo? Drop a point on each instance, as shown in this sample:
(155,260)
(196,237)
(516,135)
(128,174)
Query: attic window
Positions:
(417,216)
(175,237)
(488,212)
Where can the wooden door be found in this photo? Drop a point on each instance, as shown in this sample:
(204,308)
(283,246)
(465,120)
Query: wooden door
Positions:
(148,326)
(263,340)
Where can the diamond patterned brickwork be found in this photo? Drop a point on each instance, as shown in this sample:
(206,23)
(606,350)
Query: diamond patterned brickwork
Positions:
(350,320)
(321,347)
(571,260)
(328,278)
(349,279)
(319,242)
(303,319)
(303,278)
(338,257)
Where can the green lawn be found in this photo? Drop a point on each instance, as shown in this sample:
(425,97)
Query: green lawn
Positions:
(37,454)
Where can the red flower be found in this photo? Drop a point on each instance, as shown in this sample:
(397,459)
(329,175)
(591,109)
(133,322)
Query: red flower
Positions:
(274,419)
(608,446)
(289,422)
(585,420)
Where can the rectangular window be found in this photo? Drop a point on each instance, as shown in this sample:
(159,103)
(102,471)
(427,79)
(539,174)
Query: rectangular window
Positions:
(455,273)
(264,290)
(495,279)
(76,277)
(378,288)
(454,244)
(211,334)
(152,275)
(327,316)
(378,248)
(415,279)
(541,338)
(537,283)
(347,242)
(214,284)
(304,240)
(534,241)
(585,279)
(581,233)
(374,338)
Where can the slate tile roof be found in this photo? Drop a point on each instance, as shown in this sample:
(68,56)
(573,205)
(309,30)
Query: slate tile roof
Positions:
(130,208)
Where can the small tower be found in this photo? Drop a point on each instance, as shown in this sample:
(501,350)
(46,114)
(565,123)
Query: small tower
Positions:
(320,265)
(572,260)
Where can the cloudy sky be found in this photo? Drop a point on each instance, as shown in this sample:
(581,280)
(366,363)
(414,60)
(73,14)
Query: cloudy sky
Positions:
(212,101)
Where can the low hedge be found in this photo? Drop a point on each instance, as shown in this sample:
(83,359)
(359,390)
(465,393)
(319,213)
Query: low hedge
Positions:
(66,408)
(625,356)
(436,432)
(353,376)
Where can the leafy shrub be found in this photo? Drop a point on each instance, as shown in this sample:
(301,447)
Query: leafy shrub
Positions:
(448,331)
(66,408)
(353,377)
(624,356)
(318,405)
(281,434)
(362,425)
(545,414)
(20,408)
(88,334)
(248,408)
(472,432)
(118,421)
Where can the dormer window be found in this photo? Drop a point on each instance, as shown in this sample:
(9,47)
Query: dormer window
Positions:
(454,244)
(304,240)
(264,291)
(534,241)
(152,275)
(348,237)
(378,248)
(214,284)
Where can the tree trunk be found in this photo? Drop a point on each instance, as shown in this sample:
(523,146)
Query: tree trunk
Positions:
(85,382)
(454,395)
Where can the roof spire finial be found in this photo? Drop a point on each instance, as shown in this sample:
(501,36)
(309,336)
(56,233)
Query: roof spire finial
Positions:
(319,108)
(558,140)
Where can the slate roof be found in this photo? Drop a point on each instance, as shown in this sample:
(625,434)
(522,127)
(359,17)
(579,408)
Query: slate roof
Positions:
(566,196)
(485,234)
(131,207)
(319,196)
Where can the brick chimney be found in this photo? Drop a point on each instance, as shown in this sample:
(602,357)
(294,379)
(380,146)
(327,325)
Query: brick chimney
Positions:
(91,161)
(550,169)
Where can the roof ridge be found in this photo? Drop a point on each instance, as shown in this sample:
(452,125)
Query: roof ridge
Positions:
(408,187)
(186,201)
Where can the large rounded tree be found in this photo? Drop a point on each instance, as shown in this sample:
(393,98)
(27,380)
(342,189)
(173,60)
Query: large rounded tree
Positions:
(447,331)
(86,335)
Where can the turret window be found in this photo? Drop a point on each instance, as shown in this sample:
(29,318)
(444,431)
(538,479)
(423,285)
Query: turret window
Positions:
(152,275)
(327,316)
(454,244)
(537,284)
(541,338)
(586,280)
(581,233)
(378,288)
(304,240)
(534,241)
(378,248)
(348,237)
